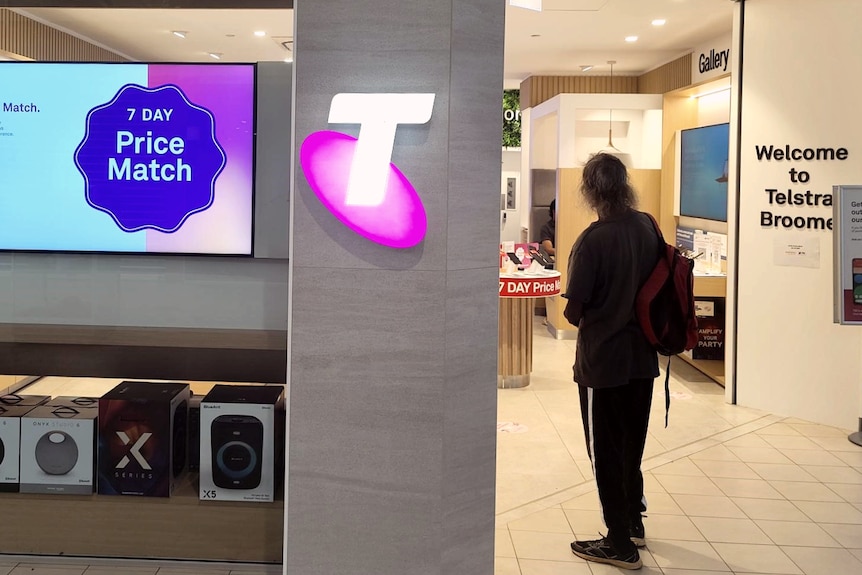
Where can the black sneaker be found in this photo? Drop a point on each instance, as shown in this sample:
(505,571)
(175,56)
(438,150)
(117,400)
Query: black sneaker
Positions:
(602,551)
(637,533)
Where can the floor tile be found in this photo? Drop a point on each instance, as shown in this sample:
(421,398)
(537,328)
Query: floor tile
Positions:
(756,558)
(853,458)
(671,527)
(846,534)
(652,485)
(679,467)
(837,444)
(551,520)
(849,492)
(192,571)
(5,569)
(753,488)
(538,567)
(708,506)
(728,530)
(857,553)
(46,569)
(781,472)
(684,484)
(118,570)
(600,569)
(662,503)
(503,543)
(545,546)
(759,455)
(826,512)
(584,521)
(797,533)
(780,510)
(778,429)
(803,491)
(834,474)
(587,501)
(748,440)
(716,453)
(791,442)
(731,469)
(814,561)
(686,555)
(506,566)
(816,430)
(811,457)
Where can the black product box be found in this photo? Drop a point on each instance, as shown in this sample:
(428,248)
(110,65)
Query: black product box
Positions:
(241,443)
(11,400)
(710,328)
(195,433)
(58,445)
(143,438)
(10,443)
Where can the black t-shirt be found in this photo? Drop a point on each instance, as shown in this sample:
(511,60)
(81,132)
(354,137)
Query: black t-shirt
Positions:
(608,263)
(548,232)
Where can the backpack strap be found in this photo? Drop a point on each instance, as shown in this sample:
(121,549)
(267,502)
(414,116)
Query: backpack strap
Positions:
(667,391)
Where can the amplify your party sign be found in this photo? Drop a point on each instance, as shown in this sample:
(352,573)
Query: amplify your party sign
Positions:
(150,158)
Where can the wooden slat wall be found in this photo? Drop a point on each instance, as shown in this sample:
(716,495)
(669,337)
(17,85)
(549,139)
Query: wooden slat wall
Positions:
(664,79)
(671,76)
(537,89)
(31,40)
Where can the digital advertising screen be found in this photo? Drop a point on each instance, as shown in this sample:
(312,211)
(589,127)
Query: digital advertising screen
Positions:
(128,158)
(703,172)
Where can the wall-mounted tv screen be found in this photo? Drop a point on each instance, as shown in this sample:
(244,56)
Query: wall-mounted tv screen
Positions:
(703,172)
(127,158)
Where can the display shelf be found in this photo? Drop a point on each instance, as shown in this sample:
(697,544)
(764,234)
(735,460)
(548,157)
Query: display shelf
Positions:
(179,527)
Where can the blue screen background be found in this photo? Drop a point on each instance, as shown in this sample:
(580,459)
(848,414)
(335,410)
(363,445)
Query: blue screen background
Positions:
(703,162)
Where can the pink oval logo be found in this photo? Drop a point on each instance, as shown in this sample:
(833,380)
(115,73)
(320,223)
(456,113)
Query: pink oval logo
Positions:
(399,221)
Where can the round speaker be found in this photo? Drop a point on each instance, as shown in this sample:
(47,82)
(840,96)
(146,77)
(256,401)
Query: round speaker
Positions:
(236,459)
(2,451)
(56,453)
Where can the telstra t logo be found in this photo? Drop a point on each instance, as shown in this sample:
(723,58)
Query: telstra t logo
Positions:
(355,179)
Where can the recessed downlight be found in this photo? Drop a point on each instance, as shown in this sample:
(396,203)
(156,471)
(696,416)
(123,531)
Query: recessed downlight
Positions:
(659,22)
(215,55)
(179,33)
(260,33)
(586,67)
(631,39)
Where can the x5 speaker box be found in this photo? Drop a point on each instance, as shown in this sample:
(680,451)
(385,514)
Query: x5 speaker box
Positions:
(10,441)
(58,450)
(143,438)
(241,442)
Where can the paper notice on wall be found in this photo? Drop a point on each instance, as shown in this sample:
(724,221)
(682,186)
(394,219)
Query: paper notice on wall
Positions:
(797,251)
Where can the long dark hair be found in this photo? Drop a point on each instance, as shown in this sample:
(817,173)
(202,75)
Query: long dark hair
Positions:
(606,187)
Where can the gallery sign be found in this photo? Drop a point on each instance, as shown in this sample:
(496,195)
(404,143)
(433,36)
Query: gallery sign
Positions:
(711,60)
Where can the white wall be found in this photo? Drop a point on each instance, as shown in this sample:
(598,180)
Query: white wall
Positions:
(800,87)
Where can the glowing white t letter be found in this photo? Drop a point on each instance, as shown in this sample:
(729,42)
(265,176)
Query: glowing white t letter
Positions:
(378,115)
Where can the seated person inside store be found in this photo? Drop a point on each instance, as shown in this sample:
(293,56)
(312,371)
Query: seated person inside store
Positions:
(548,233)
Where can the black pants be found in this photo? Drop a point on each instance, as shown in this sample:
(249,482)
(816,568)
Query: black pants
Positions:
(615,426)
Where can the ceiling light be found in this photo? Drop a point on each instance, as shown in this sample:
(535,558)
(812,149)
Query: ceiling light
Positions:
(625,158)
(179,33)
(631,38)
(260,33)
(215,55)
(659,22)
(586,68)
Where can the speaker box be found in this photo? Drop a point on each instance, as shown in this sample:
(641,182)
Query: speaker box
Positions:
(57,450)
(195,433)
(10,441)
(143,438)
(239,448)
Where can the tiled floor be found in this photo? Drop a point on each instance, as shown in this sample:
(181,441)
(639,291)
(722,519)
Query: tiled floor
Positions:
(730,489)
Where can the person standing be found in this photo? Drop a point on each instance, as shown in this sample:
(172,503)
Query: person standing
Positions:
(614,363)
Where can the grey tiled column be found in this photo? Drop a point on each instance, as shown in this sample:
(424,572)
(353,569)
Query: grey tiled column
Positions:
(393,353)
